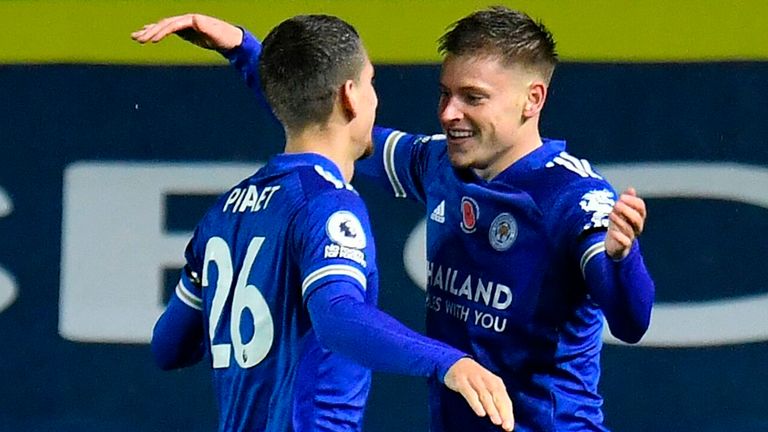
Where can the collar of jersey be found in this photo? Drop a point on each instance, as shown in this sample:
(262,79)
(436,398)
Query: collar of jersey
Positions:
(292,160)
(534,160)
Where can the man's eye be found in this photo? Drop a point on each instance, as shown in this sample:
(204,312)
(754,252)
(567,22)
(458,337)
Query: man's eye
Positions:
(474,99)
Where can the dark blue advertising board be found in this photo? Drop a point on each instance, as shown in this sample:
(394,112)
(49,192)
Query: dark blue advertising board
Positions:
(106,169)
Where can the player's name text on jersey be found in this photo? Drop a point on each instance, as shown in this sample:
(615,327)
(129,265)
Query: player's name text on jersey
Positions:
(242,199)
(338,251)
(473,288)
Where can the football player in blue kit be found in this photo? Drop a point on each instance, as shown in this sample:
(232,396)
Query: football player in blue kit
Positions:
(280,283)
(528,247)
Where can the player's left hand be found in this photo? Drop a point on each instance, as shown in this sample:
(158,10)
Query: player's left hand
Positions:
(202,30)
(484,392)
(626,223)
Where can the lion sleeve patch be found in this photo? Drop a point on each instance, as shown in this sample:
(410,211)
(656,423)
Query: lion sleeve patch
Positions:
(598,203)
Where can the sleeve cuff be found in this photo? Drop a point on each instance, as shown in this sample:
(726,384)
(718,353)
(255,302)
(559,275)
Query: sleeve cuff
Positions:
(248,46)
(449,359)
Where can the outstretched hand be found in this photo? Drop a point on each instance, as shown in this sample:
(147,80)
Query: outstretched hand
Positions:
(484,391)
(626,223)
(202,30)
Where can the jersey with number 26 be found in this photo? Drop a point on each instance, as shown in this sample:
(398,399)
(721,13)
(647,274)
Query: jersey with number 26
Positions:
(254,260)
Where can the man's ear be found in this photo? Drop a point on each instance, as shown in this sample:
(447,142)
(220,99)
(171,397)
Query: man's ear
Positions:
(537,95)
(348,99)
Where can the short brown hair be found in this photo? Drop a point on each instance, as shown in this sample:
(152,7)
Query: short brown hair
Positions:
(304,62)
(511,35)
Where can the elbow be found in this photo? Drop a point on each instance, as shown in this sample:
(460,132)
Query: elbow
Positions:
(162,359)
(332,322)
(327,336)
(629,336)
(165,354)
(632,330)
(173,353)
(172,357)
(165,366)
(631,325)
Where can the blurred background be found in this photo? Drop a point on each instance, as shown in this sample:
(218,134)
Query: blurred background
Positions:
(111,151)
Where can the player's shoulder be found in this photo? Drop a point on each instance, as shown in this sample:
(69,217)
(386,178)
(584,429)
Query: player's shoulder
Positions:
(316,179)
(565,170)
(386,134)
(391,138)
(435,144)
(332,201)
(572,184)
(320,185)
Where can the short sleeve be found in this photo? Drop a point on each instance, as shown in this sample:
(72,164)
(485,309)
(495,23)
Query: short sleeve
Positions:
(332,240)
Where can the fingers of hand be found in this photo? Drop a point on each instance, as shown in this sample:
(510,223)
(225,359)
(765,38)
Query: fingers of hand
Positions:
(630,198)
(146,33)
(633,217)
(620,223)
(494,397)
(620,232)
(140,35)
(473,399)
(157,31)
(170,26)
(490,406)
(484,392)
(457,379)
(504,404)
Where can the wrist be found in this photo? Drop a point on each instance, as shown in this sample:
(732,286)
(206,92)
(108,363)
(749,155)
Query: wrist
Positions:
(449,360)
(632,250)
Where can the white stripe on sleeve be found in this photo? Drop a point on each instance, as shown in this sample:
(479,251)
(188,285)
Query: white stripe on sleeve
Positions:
(389,163)
(188,298)
(590,253)
(333,270)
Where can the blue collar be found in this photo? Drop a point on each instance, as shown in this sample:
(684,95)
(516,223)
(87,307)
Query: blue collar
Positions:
(293,160)
(534,160)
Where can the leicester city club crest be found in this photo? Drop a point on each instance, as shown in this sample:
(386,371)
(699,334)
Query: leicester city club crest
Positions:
(503,232)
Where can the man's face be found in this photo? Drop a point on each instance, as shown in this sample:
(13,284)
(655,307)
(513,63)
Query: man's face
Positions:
(368,104)
(481,111)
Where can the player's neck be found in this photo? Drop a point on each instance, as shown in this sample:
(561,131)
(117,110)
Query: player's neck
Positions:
(332,143)
(525,142)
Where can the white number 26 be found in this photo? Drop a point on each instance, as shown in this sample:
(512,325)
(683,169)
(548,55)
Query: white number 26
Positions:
(250,353)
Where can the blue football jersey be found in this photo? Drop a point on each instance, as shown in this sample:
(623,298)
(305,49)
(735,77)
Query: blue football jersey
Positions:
(505,284)
(254,259)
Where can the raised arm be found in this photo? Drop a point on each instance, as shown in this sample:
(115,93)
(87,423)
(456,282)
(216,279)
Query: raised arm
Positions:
(401,160)
(240,47)
(202,30)
(615,272)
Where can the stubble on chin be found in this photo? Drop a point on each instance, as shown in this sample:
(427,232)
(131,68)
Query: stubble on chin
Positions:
(367,151)
(457,157)
(457,161)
